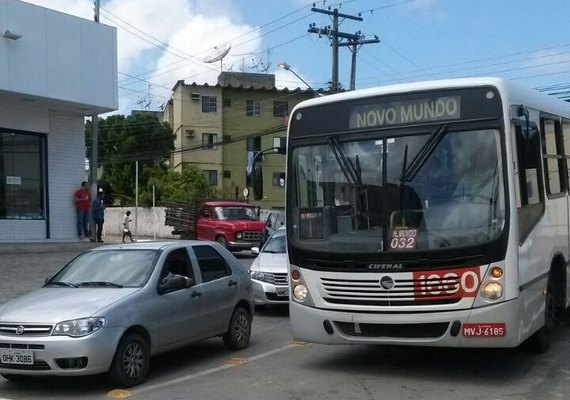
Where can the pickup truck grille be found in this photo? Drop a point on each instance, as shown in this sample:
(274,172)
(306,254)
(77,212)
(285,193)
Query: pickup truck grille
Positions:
(251,236)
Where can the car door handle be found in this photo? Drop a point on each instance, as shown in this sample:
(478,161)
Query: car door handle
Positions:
(232,283)
(195,294)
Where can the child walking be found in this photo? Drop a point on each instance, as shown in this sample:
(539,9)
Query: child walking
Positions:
(126,229)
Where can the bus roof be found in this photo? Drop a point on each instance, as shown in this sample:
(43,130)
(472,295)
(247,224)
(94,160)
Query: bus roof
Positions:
(511,93)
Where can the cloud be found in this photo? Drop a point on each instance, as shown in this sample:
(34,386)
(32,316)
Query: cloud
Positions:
(79,8)
(201,38)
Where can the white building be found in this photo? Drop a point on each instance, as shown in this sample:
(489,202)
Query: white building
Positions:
(54,70)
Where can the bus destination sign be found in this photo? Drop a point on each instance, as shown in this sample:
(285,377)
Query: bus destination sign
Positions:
(405,112)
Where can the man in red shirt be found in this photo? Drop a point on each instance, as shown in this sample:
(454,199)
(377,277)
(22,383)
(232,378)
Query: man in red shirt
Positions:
(82,200)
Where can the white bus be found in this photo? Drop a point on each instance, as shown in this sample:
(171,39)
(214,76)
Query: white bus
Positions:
(432,213)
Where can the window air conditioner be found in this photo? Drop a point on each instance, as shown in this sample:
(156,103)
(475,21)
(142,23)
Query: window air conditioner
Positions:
(190,132)
(195,96)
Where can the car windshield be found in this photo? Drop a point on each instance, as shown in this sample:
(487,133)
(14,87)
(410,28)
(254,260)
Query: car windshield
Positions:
(107,268)
(235,213)
(276,243)
(440,189)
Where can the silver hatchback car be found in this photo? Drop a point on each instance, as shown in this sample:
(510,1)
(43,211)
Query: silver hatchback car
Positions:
(112,308)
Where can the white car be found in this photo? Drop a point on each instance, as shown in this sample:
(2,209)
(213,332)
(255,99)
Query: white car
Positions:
(269,271)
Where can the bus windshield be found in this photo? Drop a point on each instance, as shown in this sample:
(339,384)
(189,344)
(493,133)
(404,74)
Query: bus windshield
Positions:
(440,189)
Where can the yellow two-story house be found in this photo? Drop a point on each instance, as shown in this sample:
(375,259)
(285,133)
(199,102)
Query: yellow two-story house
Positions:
(219,128)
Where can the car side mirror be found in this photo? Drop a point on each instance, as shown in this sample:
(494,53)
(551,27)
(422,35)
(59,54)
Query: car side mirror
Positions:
(173,283)
(255,251)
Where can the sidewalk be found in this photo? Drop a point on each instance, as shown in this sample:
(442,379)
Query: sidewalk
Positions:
(59,247)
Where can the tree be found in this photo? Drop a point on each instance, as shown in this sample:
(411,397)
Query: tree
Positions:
(124,140)
(188,186)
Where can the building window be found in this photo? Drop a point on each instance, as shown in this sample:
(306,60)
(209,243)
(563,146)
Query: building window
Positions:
(279,179)
(227,174)
(253,108)
(279,141)
(21,176)
(209,140)
(253,144)
(211,176)
(209,104)
(280,108)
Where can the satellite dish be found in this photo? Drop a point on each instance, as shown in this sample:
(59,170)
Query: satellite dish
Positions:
(265,67)
(219,54)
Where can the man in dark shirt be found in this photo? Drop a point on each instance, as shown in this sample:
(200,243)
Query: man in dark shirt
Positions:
(99,214)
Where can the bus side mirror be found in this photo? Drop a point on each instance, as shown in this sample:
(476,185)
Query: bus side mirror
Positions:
(258,182)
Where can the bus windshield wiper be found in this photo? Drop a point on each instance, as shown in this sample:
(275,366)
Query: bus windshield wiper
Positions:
(352,173)
(60,283)
(425,152)
(345,164)
(100,283)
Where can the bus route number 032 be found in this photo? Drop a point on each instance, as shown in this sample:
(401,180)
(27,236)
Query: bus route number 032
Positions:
(403,238)
(451,284)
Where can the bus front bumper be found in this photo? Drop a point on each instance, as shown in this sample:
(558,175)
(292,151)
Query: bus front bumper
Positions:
(440,329)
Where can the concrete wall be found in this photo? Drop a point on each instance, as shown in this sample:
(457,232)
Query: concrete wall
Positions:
(150,222)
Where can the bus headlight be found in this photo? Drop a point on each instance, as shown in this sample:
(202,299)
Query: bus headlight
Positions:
(493,290)
(300,292)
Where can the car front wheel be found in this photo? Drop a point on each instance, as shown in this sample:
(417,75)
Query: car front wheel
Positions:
(222,240)
(131,361)
(239,331)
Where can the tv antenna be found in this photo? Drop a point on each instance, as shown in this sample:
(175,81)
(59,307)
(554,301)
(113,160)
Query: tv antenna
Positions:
(145,101)
(219,54)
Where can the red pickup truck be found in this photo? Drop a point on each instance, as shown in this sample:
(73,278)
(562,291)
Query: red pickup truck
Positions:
(233,224)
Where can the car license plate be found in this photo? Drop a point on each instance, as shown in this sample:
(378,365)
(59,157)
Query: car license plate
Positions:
(18,357)
(282,291)
(484,329)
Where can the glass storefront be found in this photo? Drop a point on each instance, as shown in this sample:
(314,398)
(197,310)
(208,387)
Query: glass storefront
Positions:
(22,188)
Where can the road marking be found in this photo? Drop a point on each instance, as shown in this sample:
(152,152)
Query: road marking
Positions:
(195,375)
(119,394)
(237,360)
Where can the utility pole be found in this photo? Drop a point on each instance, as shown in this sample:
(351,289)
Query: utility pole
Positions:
(355,40)
(354,46)
(94,148)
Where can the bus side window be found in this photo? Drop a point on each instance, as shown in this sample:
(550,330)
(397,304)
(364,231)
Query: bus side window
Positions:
(566,140)
(530,179)
(553,157)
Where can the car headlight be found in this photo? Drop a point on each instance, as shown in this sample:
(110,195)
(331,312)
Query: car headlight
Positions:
(493,290)
(239,235)
(257,275)
(79,327)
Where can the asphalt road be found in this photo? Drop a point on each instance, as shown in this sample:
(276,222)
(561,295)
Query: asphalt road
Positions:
(274,367)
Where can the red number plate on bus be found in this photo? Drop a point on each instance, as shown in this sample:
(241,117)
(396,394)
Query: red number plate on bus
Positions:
(492,329)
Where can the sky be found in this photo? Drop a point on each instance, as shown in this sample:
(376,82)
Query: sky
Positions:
(163,41)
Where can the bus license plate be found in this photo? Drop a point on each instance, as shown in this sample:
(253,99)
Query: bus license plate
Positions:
(18,357)
(282,291)
(484,329)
